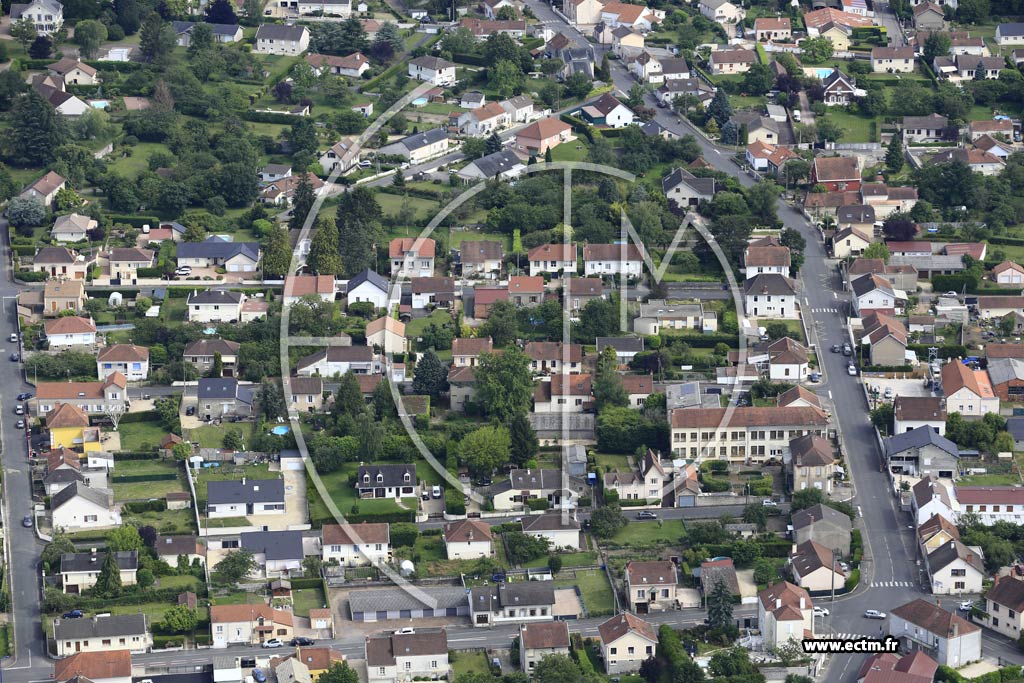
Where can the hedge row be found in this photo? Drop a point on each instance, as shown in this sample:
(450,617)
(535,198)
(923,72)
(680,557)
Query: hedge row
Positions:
(703,341)
(269,117)
(136,455)
(30,276)
(306,582)
(141,506)
(134,221)
(951,351)
(579,126)
(1007,241)
(472,60)
(142,416)
(133,478)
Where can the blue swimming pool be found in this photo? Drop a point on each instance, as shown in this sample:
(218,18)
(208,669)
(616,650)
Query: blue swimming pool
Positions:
(419,101)
(99,104)
(210,330)
(281,430)
(822,73)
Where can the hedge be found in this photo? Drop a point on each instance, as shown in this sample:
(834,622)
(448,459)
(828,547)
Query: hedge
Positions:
(389,517)
(853,579)
(134,478)
(632,502)
(269,117)
(134,221)
(24,249)
(161,642)
(472,60)
(150,273)
(136,455)
(950,351)
(141,416)
(538,504)
(306,582)
(30,275)
(141,506)
(1007,241)
(579,126)
(703,341)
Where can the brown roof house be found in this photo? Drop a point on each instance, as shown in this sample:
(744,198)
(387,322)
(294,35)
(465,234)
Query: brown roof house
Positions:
(627,641)
(945,637)
(816,568)
(468,539)
(651,586)
(784,613)
(539,640)
(811,463)
(353,545)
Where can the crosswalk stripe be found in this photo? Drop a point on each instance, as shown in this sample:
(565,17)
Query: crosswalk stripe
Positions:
(892,584)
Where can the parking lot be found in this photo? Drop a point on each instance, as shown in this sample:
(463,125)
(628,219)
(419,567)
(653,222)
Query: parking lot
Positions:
(910,386)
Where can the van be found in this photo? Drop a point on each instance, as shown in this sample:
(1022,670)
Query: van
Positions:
(796,115)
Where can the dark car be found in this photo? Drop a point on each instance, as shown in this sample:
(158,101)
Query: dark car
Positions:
(646,514)
(484,482)
(259,676)
(190,411)
(73,614)
(301,640)
(24,396)
(15,357)
(835,348)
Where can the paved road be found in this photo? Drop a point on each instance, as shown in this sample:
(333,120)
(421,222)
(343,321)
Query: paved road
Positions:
(884,16)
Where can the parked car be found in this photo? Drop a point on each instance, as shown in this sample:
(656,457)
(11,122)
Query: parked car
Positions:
(190,411)
(19,409)
(888,392)
(769,503)
(273,642)
(15,358)
(20,424)
(24,396)
(73,614)
(435,492)
(847,350)
(27,522)
(13,338)
(183,271)
(259,676)
(851,370)
(425,495)
(405,631)
(815,376)
(836,348)
(966,605)
(484,481)
(820,612)
(302,640)
(646,514)
(874,614)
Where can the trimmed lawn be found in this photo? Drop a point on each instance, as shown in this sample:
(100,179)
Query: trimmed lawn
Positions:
(791,326)
(343,494)
(391,205)
(239,598)
(133,166)
(611,462)
(665,532)
(991,480)
(166,522)
(154,611)
(470,663)
(596,592)
(142,490)
(212,436)
(569,560)
(306,599)
(185,582)
(140,436)
(223,472)
(569,151)
(416,326)
(856,128)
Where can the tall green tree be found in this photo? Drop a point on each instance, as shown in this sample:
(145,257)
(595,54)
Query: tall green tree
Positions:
(271,399)
(502,324)
(359,231)
(607,520)
(221,12)
(348,397)
(894,154)
(431,377)
(124,538)
(24,31)
(156,38)
(108,581)
(485,450)
(720,108)
(719,603)
(340,672)
(234,567)
(524,440)
(504,384)
(181,619)
(324,252)
(302,202)
(36,131)
(89,35)
(277,254)
(608,389)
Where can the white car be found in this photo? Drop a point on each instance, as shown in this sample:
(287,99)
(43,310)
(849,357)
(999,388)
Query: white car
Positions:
(183,271)
(820,612)
(273,642)
(888,392)
(13,338)
(966,605)
(851,370)
(365,164)
(406,631)
(435,492)
(769,503)
(874,614)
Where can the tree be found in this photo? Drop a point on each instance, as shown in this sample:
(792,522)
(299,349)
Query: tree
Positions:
(502,324)
(899,227)
(398,178)
(762,198)
(181,619)
(607,520)
(271,400)
(340,672)
(221,12)
(894,154)
(493,144)
(524,440)
(348,397)
(389,34)
(758,80)
(324,256)
(277,255)
(554,563)
(232,440)
(302,203)
(358,221)
(26,212)
(89,35)
(505,77)
(504,384)
(829,130)
(719,603)
(485,449)
(720,108)
(608,389)
(730,134)
(756,514)
(234,567)
(557,669)
(431,376)
(24,31)
(520,548)
(36,130)
(936,45)
(816,50)
(156,38)
(877,250)
(124,538)
(53,551)
(108,581)
(200,39)
(973,11)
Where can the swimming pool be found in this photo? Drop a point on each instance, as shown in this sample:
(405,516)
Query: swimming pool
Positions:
(822,73)
(210,330)
(99,104)
(419,101)
(281,430)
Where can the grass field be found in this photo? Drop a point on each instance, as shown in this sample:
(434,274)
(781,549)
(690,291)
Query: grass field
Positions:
(212,436)
(185,582)
(570,151)
(140,436)
(154,611)
(569,560)
(306,599)
(392,204)
(134,165)
(166,522)
(470,663)
(141,490)
(344,496)
(611,462)
(415,327)
(856,128)
(596,592)
(639,534)
(791,325)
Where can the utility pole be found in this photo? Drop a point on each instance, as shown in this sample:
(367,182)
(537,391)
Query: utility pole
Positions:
(833,599)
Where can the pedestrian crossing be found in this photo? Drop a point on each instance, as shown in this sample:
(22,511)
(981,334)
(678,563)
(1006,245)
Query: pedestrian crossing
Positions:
(844,636)
(825,310)
(892,584)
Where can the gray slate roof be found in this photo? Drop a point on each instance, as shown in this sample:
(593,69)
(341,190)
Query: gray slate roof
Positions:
(224,387)
(214,248)
(499,162)
(250,491)
(220,297)
(1002,370)
(621,344)
(820,513)
(99,627)
(919,438)
(374,278)
(769,283)
(276,545)
(279,32)
(96,496)
(395,599)
(680,176)
(83,562)
(425,139)
(495,597)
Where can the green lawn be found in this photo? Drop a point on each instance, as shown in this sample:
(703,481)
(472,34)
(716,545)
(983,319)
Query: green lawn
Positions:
(392,204)
(469,663)
(856,128)
(611,462)
(569,151)
(569,560)
(183,582)
(223,472)
(166,522)
(133,166)
(344,496)
(415,327)
(140,436)
(991,480)
(791,325)
(306,599)
(639,534)
(154,611)
(239,598)
(212,436)
(141,490)
(596,592)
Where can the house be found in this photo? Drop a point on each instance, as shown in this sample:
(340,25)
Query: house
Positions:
(342,156)
(787,359)
(554,357)
(63,295)
(248,624)
(721,11)
(812,462)
(72,227)
(1007,378)
(420,147)
(601,260)
(482,258)
(504,603)
(627,641)
(723,62)
(552,258)
(999,306)
(111,666)
(583,11)
(935,532)
(354,545)
(538,640)
(922,452)
(657,314)
(222,33)
(929,497)
(1004,607)
(461,387)
(902,277)
(945,637)
(411,257)
(276,552)
(525,290)
(798,396)
(130,360)
(80,508)
(758,127)
(991,504)
(433,70)
(968,392)
(203,354)
(125,263)
(892,60)
(823,525)
(432,292)
(47,16)
(608,111)
(281,192)
(524,485)
(625,15)
(978,160)
(387,334)
(399,657)
(672,89)
(485,297)
(873,294)
(468,539)
(79,571)
(651,586)
(307,393)
(765,259)
(626,348)
(836,173)
(563,394)
(68,427)
(840,89)
(750,433)
(484,28)
(1008,273)
(60,262)
(773,30)
(70,71)
(45,189)
(583,290)
(767,157)
(520,109)
(170,548)
(912,412)
(492,7)
(223,397)
(102,634)
(955,569)
(816,568)
(234,257)
(337,360)
(784,614)
(976,129)
(466,351)
(352,66)
(1010,34)
(931,128)
(244,497)
(484,120)
(717,571)
(838,33)
(298,286)
(770,295)
(70,330)
(93,398)
(504,165)
(929,17)
(387,481)
(683,189)
(560,530)
(915,667)
(63,466)
(542,135)
(281,39)
(369,287)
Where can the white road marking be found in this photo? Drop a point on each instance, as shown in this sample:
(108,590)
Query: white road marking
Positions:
(465,640)
(835,295)
(830,394)
(717,152)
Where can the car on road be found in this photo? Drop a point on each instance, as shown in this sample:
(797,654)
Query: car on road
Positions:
(646,514)
(27,522)
(851,370)
(847,350)
(15,358)
(435,492)
(836,348)
(20,424)
(302,640)
(73,614)
(13,338)
(769,503)
(405,631)
(259,676)
(966,605)
(24,396)
(273,642)
(820,612)
(19,409)
(873,614)
(888,392)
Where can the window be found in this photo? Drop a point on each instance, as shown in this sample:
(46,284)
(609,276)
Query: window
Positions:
(613,650)
(630,650)
(408,666)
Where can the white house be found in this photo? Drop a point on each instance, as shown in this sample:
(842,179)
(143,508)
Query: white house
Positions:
(560,530)
(280,39)
(1008,273)
(991,504)
(248,624)
(353,545)
(400,657)
(784,613)
(1004,606)
(47,16)
(770,295)
(102,634)
(651,585)
(608,111)
(411,257)
(79,508)
(627,641)
(1010,34)
(298,286)
(369,287)
(968,392)
(130,360)
(815,568)
(944,636)
(277,553)
(955,569)
(468,539)
(539,640)
(434,70)
(512,603)
(912,412)
(70,330)
(872,293)
(552,258)
(337,360)
(243,497)
(214,305)
(612,259)
(72,227)
(929,497)
(387,334)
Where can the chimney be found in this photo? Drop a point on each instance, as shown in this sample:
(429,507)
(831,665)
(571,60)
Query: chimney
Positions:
(956,629)
(778,603)
(802,603)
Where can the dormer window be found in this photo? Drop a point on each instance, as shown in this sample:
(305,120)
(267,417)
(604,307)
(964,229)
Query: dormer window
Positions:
(407,477)
(366,478)
(380,478)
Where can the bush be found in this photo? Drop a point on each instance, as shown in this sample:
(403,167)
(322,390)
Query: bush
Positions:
(30,275)
(853,579)
(454,502)
(714,485)
(538,504)
(404,535)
